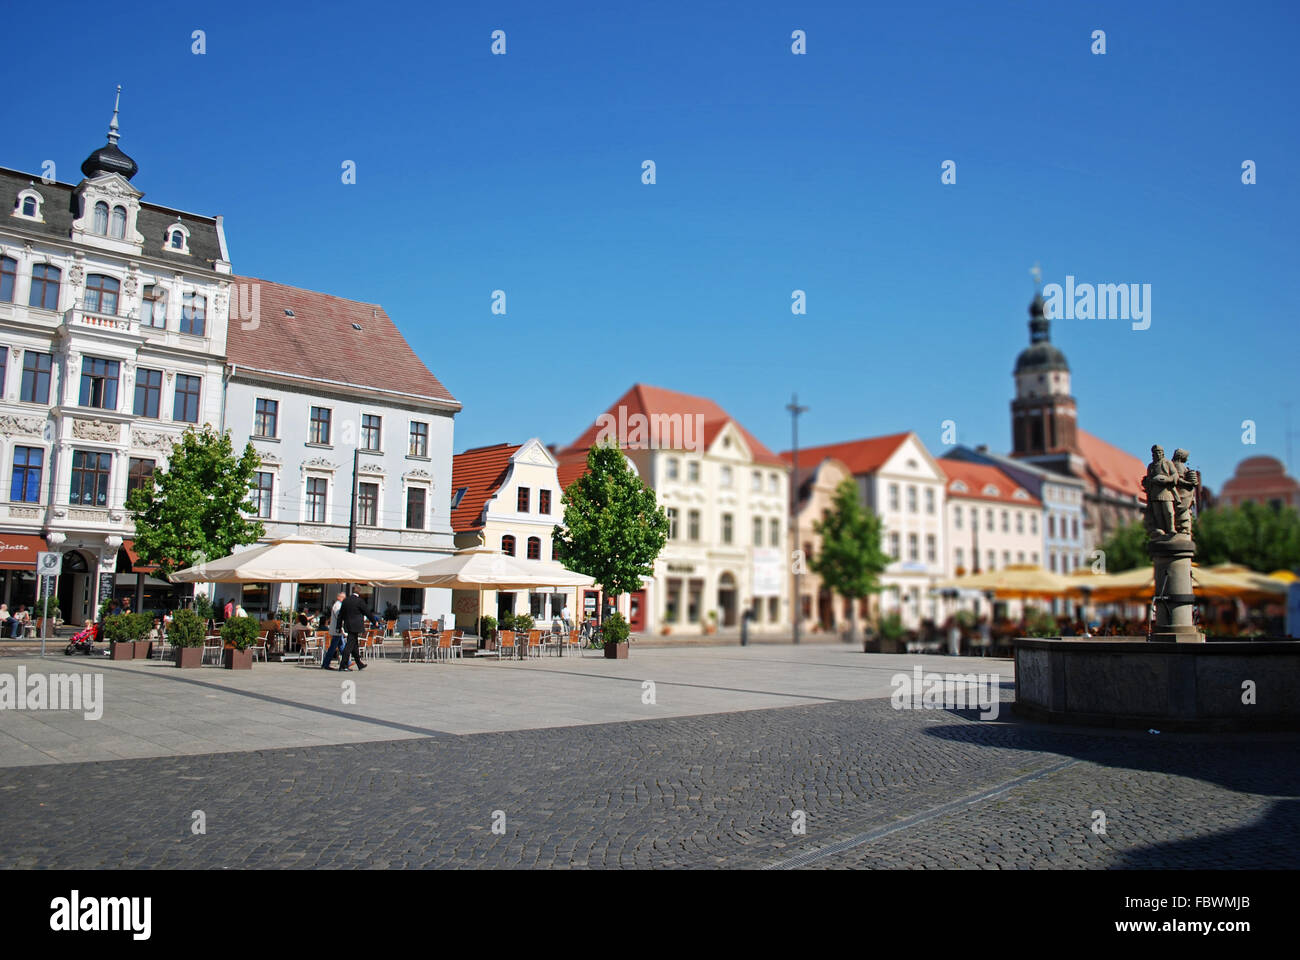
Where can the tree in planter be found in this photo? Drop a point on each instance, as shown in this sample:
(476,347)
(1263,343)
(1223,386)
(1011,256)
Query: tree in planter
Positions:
(196,508)
(48,607)
(127,627)
(523,622)
(187,629)
(613,526)
(851,559)
(891,629)
(240,632)
(616,629)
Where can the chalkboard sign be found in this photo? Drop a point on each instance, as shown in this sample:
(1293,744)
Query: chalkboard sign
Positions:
(106,581)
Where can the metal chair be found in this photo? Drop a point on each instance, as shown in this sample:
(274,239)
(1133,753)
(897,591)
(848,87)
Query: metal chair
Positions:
(505,640)
(412,644)
(212,645)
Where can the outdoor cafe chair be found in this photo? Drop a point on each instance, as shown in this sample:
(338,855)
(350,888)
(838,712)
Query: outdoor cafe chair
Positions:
(390,628)
(260,646)
(535,643)
(505,639)
(574,641)
(412,644)
(212,645)
(448,646)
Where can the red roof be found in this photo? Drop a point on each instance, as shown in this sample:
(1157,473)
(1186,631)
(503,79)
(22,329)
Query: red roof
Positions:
(480,471)
(320,341)
(652,402)
(571,466)
(860,456)
(976,477)
(1112,467)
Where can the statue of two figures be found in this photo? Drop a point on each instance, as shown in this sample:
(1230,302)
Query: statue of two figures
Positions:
(1170,486)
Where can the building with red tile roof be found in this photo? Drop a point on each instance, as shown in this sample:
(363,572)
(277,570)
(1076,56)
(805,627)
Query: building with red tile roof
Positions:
(993,521)
(1262,480)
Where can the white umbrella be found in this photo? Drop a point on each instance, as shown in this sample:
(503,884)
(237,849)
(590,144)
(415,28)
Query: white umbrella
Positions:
(295,560)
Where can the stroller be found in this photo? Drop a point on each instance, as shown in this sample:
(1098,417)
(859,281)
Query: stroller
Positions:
(83,642)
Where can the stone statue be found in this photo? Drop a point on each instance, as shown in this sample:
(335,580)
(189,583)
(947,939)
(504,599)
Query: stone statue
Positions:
(1188,481)
(1160,484)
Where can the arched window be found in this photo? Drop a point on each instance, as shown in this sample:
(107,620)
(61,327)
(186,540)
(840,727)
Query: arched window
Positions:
(101,219)
(101,294)
(30,207)
(508,545)
(194,309)
(153,308)
(45,287)
(177,241)
(534,548)
(119,223)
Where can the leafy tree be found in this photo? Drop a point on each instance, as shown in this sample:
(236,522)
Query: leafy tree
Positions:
(613,526)
(1257,536)
(196,508)
(1126,548)
(851,559)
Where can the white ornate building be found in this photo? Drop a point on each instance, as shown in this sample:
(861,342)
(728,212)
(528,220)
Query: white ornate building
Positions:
(112,326)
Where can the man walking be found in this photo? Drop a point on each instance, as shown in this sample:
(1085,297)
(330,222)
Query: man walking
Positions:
(352,617)
(336,631)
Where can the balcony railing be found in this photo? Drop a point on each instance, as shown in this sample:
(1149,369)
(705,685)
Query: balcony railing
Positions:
(78,316)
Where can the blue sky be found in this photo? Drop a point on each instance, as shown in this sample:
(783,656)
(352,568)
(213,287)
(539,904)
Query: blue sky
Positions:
(775,172)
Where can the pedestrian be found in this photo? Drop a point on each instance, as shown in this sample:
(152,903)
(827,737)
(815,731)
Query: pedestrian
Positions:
(336,631)
(240,611)
(352,617)
(228,611)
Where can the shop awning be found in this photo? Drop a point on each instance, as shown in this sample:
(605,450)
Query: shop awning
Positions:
(18,551)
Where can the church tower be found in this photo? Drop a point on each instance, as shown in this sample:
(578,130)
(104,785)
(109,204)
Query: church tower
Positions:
(1043,415)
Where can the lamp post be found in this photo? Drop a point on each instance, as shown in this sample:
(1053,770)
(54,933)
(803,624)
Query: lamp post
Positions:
(795,410)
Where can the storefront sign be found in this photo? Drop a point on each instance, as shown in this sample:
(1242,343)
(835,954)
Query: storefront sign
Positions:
(769,571)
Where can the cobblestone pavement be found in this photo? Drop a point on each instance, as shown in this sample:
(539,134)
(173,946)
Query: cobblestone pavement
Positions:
(878,787)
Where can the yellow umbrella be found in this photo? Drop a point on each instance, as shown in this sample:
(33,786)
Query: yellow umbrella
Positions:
(1015,582)
(1221,580)
(1286,576)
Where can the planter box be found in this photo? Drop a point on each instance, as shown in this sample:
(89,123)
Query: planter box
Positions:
(239,659)
(616,651)
(142,649)
(123,651)
(188,656)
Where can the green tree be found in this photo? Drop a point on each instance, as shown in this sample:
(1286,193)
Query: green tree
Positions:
(195,509)
(1126,548)
(851,559)
(613,526)
(1257,536)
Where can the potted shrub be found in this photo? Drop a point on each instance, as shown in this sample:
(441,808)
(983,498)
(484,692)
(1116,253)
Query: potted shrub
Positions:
(523,623)
(186,634)
(670,618)
(119,631)
(486,628)
(891,633)
(616,633)
(48,608)
(141,625)
(238,634)
(711,626)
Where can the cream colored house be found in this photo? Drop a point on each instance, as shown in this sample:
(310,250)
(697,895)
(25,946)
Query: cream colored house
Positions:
(820,611)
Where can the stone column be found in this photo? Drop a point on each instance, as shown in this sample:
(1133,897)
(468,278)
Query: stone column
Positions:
(1174,599)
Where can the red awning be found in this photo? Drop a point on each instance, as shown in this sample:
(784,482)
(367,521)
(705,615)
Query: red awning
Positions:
(18,551)
(136,567)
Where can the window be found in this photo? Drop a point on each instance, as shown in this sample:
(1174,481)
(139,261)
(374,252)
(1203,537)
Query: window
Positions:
(185,407)
(1034,558)
(670,468)
(320,426)
(368,504)
(508,545)
(419,443)
(931,551)
(543,501)
(1051,526)
(693,471)
(26,484)
(774,532)
(4,368)
(262,494)
(45,287)
(1033,523)
(317,491)
(523,499)
(913,547)
(893,496)
(773,483)
(178,238)
(1074,528)
(1006,522)
(101,219)
(992,562)
(1006,558)
(959,558)
(101,294)
(1020,522)
(415,501)
(758,531)
(372,428)
(8,278)
(693,526)
(672,522)
(266,417)
(153,307)
(725,477)
(90,478)
(894,545)
(194,313)
(99,383)
(756,482)
(36,377)
(139,474)
(117,227)
(956,517)
(1020,556)
(534,548)
(148,392)
(457,496)
(929,499)
(911,499)
(728,522)
(988,519)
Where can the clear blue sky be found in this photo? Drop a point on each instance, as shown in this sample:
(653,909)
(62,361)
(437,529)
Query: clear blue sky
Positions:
(775,172)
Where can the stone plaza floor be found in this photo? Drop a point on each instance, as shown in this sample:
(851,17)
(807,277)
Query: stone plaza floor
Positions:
(563,762)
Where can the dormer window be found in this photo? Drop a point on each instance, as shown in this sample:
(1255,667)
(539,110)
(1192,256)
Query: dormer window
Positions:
(958,486)
(991,490)
(28,205)
(101,219)
(117,226)
(177,239)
